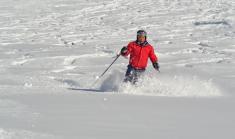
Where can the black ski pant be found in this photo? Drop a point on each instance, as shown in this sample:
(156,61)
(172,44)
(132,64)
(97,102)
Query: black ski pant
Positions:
(133,74)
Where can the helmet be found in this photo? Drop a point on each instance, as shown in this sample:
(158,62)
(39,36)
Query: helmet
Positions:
(142,32)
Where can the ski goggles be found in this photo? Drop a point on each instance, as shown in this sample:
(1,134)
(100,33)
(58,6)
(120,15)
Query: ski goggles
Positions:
(141,34)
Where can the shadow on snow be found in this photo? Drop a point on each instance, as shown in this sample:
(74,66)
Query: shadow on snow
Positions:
(85,89)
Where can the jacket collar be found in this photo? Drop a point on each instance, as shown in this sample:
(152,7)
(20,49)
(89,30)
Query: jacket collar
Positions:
(142,44)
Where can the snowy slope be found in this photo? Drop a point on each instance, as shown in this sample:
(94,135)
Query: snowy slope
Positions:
(52,51)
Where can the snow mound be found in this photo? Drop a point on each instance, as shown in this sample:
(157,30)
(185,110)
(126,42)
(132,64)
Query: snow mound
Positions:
(162,85)
(112,82)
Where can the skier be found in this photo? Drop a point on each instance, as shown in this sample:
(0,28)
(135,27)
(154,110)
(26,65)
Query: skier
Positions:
(139,51)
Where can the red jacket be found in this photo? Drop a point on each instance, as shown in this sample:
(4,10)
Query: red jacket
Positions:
(139,54)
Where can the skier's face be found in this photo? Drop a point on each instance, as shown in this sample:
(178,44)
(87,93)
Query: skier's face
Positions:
(141,38)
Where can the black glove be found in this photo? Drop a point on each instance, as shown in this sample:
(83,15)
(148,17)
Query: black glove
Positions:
(156,65)
(123,50)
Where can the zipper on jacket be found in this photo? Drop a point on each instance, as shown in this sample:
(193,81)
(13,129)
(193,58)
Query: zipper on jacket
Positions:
(140,55)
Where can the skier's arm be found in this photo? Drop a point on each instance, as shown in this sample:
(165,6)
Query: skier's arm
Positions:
(125,51)
(154,59)
(152,56)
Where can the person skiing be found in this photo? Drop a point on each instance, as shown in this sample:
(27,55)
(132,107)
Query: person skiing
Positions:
(139,51)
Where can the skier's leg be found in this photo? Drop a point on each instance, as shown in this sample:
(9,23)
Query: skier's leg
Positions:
(129,74)
(135,77)
(137,74)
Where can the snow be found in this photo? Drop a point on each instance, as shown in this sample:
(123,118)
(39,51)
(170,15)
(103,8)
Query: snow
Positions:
(53,52)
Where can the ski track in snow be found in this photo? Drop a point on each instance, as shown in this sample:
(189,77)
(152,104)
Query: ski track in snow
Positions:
(16,134)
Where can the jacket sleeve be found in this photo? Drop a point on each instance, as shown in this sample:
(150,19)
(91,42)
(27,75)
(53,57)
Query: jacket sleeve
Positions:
(129,49)
(152,55)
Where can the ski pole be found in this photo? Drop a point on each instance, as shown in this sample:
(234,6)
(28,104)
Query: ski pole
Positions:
(106,69)
(110,65)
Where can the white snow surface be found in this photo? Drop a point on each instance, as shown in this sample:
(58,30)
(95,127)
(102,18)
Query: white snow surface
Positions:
(52,53)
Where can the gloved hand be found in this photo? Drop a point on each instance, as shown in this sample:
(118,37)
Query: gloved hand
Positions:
(123,50)
(156,65)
